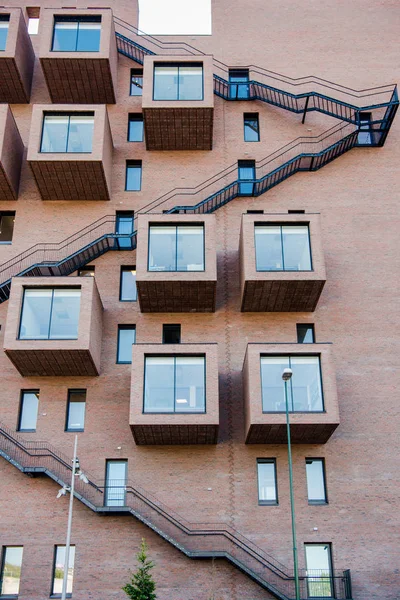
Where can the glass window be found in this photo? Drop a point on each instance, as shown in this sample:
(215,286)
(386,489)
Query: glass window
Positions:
(10,575)
(305,333)
(58,570)
(316,483)
(239,87)
(251,127)
(267,484)
(304,388)
(124,226)
(116,478)
(126,337)
(171,334)
(133,182)
(174,384)
(282,248)
(364,137)
(176,248)
(246,172)
(76,407)
(319,570)
(178,81)
(4,23)
(28,410)
(7,220)
(136,88)
(81,34)
(50,314)
(135,128)
(127,290)
(67,133)
(86,271)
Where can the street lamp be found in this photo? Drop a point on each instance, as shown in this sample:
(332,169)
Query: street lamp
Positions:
(286,376)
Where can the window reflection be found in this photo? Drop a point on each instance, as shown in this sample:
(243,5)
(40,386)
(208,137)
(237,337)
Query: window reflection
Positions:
(315,470)
(28,411)
(76,35)
(50,314)
(67,133)
(10,575)
(267,488)
(126,337)
(76,410)
(4,23)
(178,81)
(176,248)
(58,569)
(116,476)
(282,248)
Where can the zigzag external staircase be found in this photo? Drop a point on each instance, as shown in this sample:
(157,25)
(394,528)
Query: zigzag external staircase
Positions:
(198,540)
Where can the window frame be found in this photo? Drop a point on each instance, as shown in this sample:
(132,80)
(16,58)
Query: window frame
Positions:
(2,566)
(76,19)
(86,269)
(318,502)
(176,225)
(126,268)
(331,572)
(135,118)
(122,327)
(72,391)
(255,116)
(175,356)
(134,164)
(53,571)
(5,18)
(21,401)
(135,73)
(7,213)
(170,326)
(268,502)
(50,113)
(283,224)
(179,65)
(106,479)
(310,326)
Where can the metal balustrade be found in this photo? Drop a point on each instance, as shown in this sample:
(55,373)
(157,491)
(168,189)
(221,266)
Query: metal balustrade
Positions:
(195,540)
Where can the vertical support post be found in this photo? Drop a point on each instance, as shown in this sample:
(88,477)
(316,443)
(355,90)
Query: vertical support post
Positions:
(294,540)
(305,110)
(69,526)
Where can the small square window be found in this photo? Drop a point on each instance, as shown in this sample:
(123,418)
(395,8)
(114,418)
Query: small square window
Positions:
(135,128)
(76,408)
(251,127)
(133,181)
(305,333)
(171,334)
(86,272)
(136,88)
(127,289)
(126,337)
(267,481)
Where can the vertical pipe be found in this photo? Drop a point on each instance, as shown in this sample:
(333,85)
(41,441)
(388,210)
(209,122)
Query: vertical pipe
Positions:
(69,526)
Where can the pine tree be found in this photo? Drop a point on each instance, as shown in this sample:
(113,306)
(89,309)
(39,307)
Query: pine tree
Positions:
(142,586)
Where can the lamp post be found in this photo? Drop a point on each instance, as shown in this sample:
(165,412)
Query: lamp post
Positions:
(286,376)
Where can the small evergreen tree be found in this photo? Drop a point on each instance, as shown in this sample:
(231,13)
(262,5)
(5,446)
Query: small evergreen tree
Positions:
(142,586)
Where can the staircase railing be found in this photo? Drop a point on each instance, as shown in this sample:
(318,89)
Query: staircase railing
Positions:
(196,540)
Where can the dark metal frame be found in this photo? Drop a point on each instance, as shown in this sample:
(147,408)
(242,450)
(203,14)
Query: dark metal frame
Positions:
(178,65)
(133,164)
(106,487)
(283,224)
(121,327)
(126,268)
(319,502)
(135,118)
(75,19)
(309,326)
(70,393)
(21,403)
(48,113)
(136,73)
(255,117)
(7,213)
(268,502)
(170,326)
(86,269)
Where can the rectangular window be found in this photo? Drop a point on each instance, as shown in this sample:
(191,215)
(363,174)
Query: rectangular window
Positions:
(4,23)
(316,481)
(127,288)
(239,88)
(7,220)
(76,407)
(251,127)
(50,314)
(305,333)
(133,181)
(365,136)
(174,384)
(33,13)
(267,481)
(126,337)
(76,34)
(176,248)
(116,478)
(58,570)
(10,575)
(304,389)
(136,87)
(319,570)
(171,334)
(178,81)
(64,133)
(282,248)
(135,128)
(28,410)
(86,271)
(246,173)
(124,221)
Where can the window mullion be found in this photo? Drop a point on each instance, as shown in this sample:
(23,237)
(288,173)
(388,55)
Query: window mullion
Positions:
(291,385)
(77,36)
(282,250)
(174,384)
(51,314)
(176,248)
(68,128)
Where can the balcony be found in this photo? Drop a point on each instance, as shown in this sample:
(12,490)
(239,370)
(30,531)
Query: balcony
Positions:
(176,266)
(312,394)
(17,57)
(70,152)
(78,55)
(178,102)
(54,326)
(174,394)
(282,266)
(11,154)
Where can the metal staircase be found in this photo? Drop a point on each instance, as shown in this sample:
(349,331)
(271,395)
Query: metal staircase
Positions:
(195,540)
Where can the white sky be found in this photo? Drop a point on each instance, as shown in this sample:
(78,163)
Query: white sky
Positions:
(175,17)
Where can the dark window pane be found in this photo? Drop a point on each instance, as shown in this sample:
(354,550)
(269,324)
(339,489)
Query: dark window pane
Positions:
(76,410)
(58,569)
(135,128)
(126,337)
(10,575)
(133,177)
(305,334)
(267,488)
(251,128)
(136,88)
(316,480)
(28,412)
(4,23)
(171,334)
(86,272)
(128,285)
(6,227)
(365,137)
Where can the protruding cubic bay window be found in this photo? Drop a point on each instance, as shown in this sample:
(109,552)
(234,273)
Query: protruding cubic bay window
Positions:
(78,55)
(176,263)
(70,152)
(282,263)
(311,393)
(54,330)
(174,394)
(178,102)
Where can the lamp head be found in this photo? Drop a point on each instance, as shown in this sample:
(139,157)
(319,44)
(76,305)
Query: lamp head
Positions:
(287,374)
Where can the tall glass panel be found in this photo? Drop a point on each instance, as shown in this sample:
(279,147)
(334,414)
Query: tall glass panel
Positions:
(190,248)
(251,128)
(88,39)
(296,248)
(239,84)
(126,337)
(11,572)
(319,570)
(29,410)
(76,410)
(316,480)
(190,82)
(65,314)
(6,228)
(64,36)
(268,244)
(55,133)
(136,88)
(267,492)
(116,475)
(190,384)
(35,318)
(128,285)
(58,572)
(246,171)
(165,82)
(135,128)
(133,177)
(80,135)
(4,32)
(159,384)
(124,226)
(162,248)
(306,383)
(272,385)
